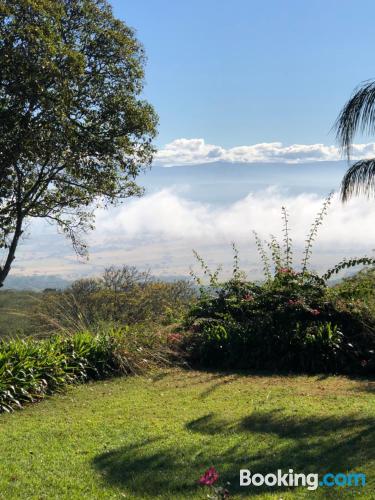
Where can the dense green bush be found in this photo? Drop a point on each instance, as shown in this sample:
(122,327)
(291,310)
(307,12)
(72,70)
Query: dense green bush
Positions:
(31,369)
(288,323)
(356,293)
(292,321)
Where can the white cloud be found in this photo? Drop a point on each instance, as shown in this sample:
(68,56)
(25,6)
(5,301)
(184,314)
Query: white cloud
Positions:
(166,215)
(194,151)
(166,226)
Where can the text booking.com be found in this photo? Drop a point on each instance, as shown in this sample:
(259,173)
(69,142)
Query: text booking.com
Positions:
(292,479)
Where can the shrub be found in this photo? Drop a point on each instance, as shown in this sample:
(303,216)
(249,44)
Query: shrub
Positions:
(292,321)
(356,293)
(285,324)
(122,296)
(31,369)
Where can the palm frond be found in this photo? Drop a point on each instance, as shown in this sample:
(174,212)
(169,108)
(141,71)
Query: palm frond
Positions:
(359,179)
(358,114)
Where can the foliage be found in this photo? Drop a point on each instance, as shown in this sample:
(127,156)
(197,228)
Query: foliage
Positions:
(357,116)
(356,293)
(31,369)
(121,296)
(286,324)
(291,322)
(360,286)
(347,264)
(74,130)
(313,232)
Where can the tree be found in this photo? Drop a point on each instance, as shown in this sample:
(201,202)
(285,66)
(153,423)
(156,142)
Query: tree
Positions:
(358,114)
(74,129)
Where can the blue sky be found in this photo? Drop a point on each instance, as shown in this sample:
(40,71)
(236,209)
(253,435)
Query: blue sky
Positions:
(245,71)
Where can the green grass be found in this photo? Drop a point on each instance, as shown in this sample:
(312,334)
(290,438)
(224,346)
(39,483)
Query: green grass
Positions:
(151,437)
(15,307)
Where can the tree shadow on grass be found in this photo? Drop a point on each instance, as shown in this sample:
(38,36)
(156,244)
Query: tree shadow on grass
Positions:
(285,426)
(222,381)
(310,444)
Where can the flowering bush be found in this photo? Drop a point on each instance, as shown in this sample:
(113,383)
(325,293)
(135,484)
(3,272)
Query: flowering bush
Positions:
(291,321)
(288,323)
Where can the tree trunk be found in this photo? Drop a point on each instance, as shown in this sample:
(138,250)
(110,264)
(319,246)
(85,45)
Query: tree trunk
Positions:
(4,271)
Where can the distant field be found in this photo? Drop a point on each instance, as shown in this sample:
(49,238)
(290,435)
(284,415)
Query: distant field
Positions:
(15,312)
(151,437)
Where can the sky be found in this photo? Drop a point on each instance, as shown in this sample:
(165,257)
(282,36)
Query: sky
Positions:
(243,72)
(252,88)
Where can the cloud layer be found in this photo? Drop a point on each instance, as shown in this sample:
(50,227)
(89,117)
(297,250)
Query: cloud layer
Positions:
(195,151)
(165,215)
(161,229)
(172,226)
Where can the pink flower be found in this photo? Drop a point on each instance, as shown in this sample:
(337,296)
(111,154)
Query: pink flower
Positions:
(363,363)
(174,337)
(248,297)
(209,477)
(285,270)
(315,312)
(294,302)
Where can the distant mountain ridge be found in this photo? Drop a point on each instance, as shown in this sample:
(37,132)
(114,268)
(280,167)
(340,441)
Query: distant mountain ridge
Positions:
(224,182)
(35,283)
(41,282)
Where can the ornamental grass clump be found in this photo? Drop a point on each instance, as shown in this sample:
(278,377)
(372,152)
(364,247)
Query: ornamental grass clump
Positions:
(31,369)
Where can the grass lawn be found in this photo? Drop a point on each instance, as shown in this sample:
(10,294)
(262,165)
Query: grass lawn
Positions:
(151,437)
